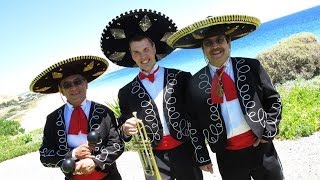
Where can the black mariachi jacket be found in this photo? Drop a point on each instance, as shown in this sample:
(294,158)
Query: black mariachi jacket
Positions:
(259,101)
(134,97)
(55,149)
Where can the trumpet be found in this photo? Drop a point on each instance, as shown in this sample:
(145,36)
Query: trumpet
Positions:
(142,144)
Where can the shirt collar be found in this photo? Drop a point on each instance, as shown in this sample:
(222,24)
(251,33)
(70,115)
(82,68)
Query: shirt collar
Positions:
(214,68)
(83,104)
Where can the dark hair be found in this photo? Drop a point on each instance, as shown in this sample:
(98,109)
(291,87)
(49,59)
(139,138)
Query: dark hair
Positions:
(139,38)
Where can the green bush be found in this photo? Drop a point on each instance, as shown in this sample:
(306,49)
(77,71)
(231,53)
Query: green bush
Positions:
(301,108)
(10,127)
(13,146)
(295,57)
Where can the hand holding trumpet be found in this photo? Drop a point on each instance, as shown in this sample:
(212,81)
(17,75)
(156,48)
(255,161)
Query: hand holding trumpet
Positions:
(130,125)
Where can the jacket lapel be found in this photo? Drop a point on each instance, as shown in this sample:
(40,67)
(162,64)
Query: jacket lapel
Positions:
(147,109)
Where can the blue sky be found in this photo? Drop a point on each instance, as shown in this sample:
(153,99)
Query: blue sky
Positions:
(37,33)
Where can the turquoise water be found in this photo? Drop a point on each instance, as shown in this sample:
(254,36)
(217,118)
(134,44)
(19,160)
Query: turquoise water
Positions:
(268,34)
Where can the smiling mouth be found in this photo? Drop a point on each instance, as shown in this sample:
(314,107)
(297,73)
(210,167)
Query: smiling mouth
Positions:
(75,93)
(216,53)
(145,62)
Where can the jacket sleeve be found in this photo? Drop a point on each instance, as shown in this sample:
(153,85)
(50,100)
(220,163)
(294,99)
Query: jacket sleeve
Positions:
(112,146)
(52,153)
(125,113)
(272,105)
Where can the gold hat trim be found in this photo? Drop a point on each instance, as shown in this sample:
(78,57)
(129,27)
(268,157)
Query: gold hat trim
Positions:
(66,61)
(227,19)
(42,89)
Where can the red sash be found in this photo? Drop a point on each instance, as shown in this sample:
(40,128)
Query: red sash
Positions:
(241,141)
(95,175)
(168,142)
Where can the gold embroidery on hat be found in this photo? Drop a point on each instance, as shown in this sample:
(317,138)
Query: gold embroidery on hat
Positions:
(176,38)
(57,75)
(198,35)
(42,89)
(88,67)
(145,23)
(232,30)
(240,35)
(118,33)
(166,36)
(117,56)
(98,73)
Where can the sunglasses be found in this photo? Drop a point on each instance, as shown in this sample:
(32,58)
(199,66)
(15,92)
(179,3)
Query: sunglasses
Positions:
(70,84)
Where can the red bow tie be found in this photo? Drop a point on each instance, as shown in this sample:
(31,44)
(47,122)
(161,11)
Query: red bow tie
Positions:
(78,122)
(150,76)
(222,83)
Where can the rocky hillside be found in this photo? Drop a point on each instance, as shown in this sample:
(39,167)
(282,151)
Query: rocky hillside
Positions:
(13,107)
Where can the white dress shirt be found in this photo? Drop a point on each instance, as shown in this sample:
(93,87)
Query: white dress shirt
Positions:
(75,140)
(231,110)
(155,90)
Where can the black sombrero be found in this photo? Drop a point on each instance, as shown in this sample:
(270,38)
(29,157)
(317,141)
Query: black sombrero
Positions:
(236,26)
(90,67)
(115,37)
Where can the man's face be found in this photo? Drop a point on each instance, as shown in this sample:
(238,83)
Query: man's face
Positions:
(143,53)
(216,49)
(74,88)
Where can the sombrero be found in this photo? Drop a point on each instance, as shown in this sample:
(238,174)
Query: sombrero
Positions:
(235,26)
(90,67)
(116,35)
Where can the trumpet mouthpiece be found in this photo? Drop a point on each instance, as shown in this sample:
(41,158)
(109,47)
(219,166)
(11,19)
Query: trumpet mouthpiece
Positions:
(134,114)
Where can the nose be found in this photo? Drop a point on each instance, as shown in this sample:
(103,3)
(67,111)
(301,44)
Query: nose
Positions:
(73,87)
(143,55)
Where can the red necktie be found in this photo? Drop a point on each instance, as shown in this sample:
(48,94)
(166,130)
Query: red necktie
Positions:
(150,76)
(222,83)
(78,122)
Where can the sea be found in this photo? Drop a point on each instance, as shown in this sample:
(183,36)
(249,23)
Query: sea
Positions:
(267,35)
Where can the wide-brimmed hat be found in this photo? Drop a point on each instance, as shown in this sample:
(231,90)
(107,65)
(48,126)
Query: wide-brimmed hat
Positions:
(89,67)
(235,26)
(117,34)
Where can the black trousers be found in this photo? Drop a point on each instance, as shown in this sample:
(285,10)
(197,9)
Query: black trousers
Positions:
(177,163)
(260,163)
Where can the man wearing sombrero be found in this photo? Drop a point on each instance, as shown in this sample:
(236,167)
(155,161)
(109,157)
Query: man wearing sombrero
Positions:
(66,128)
(156,94)
(232,102)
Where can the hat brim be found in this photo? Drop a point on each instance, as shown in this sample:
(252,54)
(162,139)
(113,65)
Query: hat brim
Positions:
(235,26)
(117,34)
(90,67)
